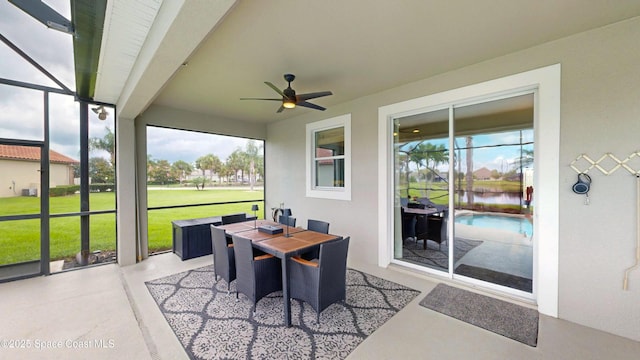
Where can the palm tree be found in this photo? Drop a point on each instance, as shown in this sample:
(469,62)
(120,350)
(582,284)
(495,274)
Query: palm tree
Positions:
(235,162)
(436,154)
(525,159)
(429,155)
(106,143)
(417,155)
(216,164)
(204,163)
(252,152)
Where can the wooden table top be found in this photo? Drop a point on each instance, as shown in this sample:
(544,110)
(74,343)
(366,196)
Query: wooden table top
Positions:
(246,230)
(297,241)
(243,226)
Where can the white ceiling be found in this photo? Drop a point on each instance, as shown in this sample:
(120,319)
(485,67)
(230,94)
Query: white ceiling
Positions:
(127,24)
(355,48)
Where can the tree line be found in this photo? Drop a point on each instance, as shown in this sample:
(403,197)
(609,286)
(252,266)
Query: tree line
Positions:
(427,156)
(238,165)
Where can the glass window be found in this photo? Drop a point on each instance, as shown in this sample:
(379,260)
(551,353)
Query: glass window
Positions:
(329,158)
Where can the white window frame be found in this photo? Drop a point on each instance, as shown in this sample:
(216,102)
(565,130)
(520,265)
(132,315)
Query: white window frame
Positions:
(335,193)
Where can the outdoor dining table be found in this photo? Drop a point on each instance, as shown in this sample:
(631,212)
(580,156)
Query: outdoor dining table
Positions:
(280,246)
(283,248)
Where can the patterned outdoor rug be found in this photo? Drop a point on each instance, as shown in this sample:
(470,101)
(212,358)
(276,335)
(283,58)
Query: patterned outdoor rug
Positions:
(435,256)
(212,324)
(507,319)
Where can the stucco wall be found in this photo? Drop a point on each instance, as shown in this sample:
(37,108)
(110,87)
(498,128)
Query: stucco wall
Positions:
(26,175)
(600,113)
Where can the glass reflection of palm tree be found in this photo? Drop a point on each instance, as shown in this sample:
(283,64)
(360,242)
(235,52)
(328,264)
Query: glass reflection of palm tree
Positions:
(428,155)
(469,177)
(525,159)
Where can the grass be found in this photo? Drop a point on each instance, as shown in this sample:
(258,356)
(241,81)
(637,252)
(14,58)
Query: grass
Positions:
(439,194)
(21,238)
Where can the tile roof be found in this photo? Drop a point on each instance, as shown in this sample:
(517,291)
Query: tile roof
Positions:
(31,153)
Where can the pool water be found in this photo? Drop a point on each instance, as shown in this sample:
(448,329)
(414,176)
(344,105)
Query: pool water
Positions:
(510,223)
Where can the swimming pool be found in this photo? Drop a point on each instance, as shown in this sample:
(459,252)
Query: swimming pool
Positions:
(510,223)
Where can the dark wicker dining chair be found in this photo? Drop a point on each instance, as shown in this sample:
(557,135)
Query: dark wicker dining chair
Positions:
(224,261)
(321,283)
(408,225)
(430,228)
(287,219)
(256,276)
(317,226)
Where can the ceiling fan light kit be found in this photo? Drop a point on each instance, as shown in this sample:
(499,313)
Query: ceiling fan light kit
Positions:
(289,98)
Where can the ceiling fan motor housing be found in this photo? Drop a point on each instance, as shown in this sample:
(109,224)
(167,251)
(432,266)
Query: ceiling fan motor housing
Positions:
(289,93)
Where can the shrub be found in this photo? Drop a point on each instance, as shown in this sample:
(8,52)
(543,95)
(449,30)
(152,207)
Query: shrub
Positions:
(63,190)
(101,187)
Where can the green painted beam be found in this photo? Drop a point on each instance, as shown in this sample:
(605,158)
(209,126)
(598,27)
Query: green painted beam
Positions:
(87,17)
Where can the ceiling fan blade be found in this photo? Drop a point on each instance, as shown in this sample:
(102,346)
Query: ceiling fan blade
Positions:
(260,99)
(280,109)
(310,105)
(274,88)
(309,96)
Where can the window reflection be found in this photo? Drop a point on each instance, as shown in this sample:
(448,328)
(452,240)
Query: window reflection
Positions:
(329,157)
(490,169)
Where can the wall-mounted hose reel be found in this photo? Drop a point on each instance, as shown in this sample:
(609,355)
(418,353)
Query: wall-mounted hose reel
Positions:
(582,186)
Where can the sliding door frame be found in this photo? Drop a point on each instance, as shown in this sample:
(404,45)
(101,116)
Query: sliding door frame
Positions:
(545,82)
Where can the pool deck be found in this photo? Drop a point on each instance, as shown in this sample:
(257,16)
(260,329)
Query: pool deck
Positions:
(501,250)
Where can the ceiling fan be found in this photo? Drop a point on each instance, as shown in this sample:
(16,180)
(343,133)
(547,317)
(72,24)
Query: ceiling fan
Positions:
(289,98)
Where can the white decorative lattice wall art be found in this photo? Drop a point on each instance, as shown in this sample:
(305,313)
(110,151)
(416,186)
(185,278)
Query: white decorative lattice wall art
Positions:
(607,164)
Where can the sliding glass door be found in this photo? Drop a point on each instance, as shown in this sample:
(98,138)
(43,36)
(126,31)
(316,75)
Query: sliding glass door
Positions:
(464,190)
(493,205)
(422,188)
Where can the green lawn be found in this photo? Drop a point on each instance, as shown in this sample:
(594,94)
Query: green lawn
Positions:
(20,240)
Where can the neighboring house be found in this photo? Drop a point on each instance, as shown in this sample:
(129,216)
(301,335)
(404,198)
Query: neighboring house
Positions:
(20,170)
(482,174)
(197,173)
(325,170)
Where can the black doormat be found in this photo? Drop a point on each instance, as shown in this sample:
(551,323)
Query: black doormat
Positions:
(513,321)
(495,277)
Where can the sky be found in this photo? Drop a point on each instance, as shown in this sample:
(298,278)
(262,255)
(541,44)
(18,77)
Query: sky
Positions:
(21,110)
(172,145)
(493,158)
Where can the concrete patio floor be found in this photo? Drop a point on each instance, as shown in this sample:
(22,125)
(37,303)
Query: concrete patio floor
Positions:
(106,312)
